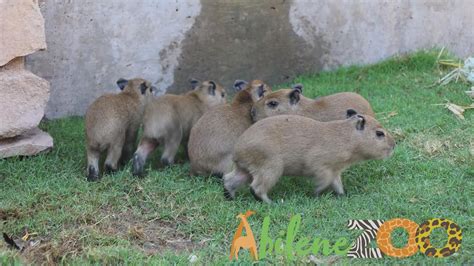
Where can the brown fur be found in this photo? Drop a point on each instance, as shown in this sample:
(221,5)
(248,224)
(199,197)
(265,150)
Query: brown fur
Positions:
(112,122)
(293,145)
(327,108)
(169,119)
(212,139)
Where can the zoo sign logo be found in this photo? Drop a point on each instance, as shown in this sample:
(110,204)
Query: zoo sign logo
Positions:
(418,239)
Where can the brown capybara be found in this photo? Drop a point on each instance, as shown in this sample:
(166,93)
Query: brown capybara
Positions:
(112,122)
(169,119)
(293,145)
(212,139)
(326,108)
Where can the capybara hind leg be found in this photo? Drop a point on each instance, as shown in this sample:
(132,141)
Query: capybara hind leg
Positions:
(337,185)
(144,149)
(93,156)
(193,171)
(260,193)
(224,166)
(323,180)
(171,148)
(264,180)
(113,156)
(128,146)
(233,181)
(186,151)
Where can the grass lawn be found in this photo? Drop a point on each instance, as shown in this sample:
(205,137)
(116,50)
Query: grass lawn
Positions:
(168,215)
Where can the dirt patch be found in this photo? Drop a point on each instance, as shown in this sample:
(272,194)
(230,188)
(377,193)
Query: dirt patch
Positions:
(431,145)
(454,150)
(52,252)
(7,214)
(152,237)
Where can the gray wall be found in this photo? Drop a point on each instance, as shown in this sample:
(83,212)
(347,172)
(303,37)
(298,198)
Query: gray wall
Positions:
(93,43)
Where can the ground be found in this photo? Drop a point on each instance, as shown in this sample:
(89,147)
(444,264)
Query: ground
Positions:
(171,217)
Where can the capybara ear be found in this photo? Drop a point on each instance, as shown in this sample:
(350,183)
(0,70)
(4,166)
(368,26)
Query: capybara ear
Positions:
(295,96)
(360,122)
(350,113)
(143,87)
(240,84)
(194,83)
(122,83)
(261,90)
(298,86)
(212,88)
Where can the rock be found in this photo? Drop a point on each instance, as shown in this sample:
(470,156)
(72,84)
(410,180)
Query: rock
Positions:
(30,143)
(22,29)
(15,64)
(23,98)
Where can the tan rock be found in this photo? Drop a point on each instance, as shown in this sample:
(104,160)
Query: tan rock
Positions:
(23,98)
(21,29)
(15,64)
(30,143)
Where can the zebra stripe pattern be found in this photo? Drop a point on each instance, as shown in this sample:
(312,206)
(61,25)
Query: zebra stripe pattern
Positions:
(360,249)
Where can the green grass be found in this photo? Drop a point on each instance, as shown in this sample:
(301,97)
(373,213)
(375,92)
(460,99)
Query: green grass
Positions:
(168,215)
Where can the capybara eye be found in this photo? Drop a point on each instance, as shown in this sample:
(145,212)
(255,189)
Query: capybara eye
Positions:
(223,95)
(379,133)
(272,104)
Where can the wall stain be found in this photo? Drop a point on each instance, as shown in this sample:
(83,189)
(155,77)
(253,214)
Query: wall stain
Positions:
(245,40)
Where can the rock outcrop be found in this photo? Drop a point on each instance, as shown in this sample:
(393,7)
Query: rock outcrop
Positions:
(23,99)
(27,144)
(22,29)
(23,95)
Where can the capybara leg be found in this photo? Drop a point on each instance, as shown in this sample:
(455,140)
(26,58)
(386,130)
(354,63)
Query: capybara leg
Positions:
(186,151)
(224,166)
(260,193)
(265,179)
(233,181)
(323,180)
(129,146)
(171,148)
(93,157)
(113,156)
(337,185)
(193,171)
(196,170)
(144,149)
(261,185)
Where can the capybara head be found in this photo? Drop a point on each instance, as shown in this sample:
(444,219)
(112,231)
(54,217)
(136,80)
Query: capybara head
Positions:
(138,86)
(371,139)
(256,88)
(211,93)
(281,102)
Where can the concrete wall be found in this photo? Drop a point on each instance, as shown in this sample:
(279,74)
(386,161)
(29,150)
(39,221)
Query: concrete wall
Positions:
(93,43)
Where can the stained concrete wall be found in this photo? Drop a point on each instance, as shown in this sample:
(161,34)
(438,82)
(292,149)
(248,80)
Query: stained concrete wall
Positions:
(93,43)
